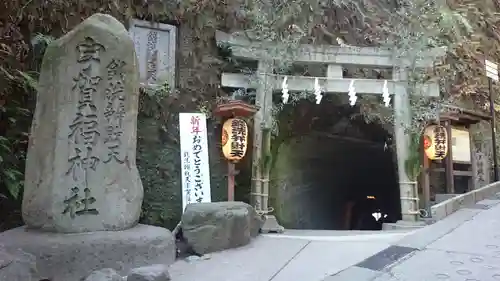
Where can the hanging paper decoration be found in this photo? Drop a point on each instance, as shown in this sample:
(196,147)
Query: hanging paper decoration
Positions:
(284,90)
(317,91)
(435,142)
(352,94)
(385,95)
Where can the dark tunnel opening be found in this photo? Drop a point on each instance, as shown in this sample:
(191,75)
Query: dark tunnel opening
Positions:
(341,173)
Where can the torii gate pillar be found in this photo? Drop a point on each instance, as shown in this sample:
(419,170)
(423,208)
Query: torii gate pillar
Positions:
(402,118)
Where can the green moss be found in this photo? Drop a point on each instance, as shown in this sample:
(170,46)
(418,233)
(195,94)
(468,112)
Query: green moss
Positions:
(279,174)
(158,165)
(159,161)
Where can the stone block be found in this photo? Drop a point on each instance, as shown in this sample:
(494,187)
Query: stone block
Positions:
(81,173)
(440,197)
(157,272)
(211,227)
(451,205)
(68,257)
(438,211)
(271,225)
(455,204)
(469,199)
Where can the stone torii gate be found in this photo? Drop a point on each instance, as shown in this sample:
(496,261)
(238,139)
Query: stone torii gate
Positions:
(335,57)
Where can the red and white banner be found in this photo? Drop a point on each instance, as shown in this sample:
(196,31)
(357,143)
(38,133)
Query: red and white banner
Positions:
(194,158)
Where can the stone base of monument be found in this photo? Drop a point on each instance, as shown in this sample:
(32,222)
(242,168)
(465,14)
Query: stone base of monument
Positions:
(65,257)
(271,225)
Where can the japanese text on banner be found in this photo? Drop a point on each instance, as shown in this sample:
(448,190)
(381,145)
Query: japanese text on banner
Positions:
(194,155)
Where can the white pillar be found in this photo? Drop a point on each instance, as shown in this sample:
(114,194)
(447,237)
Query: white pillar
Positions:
(402,120)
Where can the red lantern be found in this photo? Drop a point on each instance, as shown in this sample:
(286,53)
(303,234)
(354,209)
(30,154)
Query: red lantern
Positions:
(233,109)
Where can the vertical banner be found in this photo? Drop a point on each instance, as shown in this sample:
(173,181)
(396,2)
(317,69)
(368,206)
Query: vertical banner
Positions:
(194,158)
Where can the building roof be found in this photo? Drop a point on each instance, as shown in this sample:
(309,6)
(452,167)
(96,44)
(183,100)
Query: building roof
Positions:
(463,115)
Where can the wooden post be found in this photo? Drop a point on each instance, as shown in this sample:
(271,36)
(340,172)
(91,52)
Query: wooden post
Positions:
(230,180)
(472,161)
(402,118)
(424,180)
(450,183)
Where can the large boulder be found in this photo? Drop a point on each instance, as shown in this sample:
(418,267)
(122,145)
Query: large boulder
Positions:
(156,272)
(16,265)
(211,227)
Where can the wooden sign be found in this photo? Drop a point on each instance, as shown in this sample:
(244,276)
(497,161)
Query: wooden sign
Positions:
(460,145)
(234,139)
(155,45)
(435,142)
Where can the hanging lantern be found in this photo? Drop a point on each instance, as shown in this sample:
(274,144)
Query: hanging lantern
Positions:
(234,139)
(435,142)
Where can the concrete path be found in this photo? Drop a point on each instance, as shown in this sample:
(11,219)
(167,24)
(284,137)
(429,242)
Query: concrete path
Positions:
(294,255)
(463,247)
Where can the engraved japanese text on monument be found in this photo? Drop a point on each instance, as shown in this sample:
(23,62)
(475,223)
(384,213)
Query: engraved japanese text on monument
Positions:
(152,56)
(115,111)
(84,130)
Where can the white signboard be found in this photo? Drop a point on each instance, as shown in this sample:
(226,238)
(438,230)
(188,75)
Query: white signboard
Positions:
(155,48)
(460,142)
(194,158)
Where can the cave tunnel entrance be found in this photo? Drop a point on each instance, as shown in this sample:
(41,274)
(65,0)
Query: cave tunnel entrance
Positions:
(332,169)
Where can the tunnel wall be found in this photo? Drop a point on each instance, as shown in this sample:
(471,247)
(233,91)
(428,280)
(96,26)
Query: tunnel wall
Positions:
(315,176)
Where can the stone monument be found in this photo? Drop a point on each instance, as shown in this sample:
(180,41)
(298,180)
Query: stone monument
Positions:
(83,195)
(80,171)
